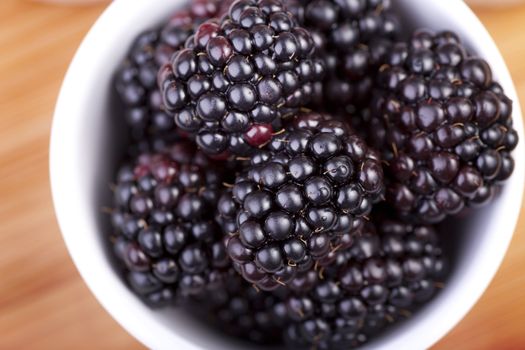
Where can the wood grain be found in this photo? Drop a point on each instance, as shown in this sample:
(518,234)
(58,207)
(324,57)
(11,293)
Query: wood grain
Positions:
(43,302)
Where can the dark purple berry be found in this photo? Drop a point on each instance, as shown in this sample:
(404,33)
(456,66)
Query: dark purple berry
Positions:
(164,223)
(390,270)
(442,125)
(300,200)
(244,73)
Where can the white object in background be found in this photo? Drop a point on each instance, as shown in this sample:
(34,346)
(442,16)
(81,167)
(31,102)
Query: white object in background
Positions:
(85,145)
(495,3)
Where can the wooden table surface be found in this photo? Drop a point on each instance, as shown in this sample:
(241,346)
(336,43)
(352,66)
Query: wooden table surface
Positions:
(43,302)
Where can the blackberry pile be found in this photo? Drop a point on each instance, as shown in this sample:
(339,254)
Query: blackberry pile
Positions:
(352,37)
(136,79)
(165,232)
(244,312)
(240,76)
(248,199)
(300,200)
(443,125)
(384,277)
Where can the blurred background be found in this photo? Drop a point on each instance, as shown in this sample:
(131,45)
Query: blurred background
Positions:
(43,302)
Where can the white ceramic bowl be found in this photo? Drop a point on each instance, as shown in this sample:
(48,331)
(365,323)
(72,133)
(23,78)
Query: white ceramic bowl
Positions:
(85,147)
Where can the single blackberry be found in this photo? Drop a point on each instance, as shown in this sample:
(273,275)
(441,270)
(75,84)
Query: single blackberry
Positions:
(136,79)
(443,125)
(163,217)
(387,274)
(352,37)
(242,311)
(301,200)
(240,75)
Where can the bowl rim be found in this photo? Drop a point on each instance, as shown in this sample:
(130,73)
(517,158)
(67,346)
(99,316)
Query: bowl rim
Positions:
(150,334)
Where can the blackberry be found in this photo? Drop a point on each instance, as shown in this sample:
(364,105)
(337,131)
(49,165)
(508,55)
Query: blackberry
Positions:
(300,201)
(240,75)
(443,125)
(165,233)
(136,79)
(352,37)
(242,311)
(387,274)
